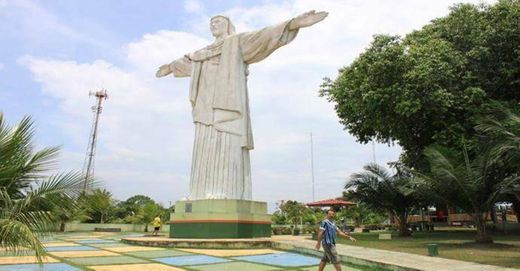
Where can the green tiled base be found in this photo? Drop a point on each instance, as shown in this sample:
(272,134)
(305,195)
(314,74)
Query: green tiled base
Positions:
(220,218)
(235,266)
(219,230)
(106,260)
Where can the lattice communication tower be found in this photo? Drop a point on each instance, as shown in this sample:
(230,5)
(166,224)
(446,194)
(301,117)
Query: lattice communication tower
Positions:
(90,158)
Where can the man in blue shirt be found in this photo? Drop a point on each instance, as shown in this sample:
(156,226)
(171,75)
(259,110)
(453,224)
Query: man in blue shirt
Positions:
(327,238)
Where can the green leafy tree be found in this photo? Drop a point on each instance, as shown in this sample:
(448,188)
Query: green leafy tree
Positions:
(98,205)
(430,86)
(148,212)
(361,214)
(278,218)
(132,205)
(24,188)
(293,211)
(382,191)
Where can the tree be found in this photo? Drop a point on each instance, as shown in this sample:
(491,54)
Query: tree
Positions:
(430,86)
(502,129)
(381,191)
(129,208)
(361,214)
(293,211)
(20,165)
(471,184)
(64,209)
(147,213)
(98,205)
(24,188)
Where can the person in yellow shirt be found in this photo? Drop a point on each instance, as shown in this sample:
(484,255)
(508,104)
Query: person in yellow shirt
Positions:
(156,225)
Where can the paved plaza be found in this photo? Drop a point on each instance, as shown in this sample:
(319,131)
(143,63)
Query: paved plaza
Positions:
(105,252)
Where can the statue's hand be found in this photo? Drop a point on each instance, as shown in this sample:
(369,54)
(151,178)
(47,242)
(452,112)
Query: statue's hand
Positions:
(307,19)
(163,71)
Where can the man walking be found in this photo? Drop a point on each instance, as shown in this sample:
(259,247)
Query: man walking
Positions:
(327,238)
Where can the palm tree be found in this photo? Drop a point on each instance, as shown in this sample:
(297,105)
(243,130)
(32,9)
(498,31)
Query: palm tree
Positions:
(69,209)
(502,129)
(23,223)
(380,190)
(472,184)
(20,165)
(24,188)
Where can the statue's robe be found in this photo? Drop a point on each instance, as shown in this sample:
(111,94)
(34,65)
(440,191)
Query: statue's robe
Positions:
(218,93)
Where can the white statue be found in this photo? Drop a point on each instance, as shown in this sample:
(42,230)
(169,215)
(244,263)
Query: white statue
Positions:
(218,94)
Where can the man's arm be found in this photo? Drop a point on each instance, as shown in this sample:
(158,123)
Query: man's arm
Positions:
(349,236)
(320,235)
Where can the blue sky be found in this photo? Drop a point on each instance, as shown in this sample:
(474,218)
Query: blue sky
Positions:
(52,53)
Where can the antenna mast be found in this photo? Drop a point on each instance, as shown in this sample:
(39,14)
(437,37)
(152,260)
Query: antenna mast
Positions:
(88,164)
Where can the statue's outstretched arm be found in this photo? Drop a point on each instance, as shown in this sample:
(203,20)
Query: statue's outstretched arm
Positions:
(257,45)
(307,19)
(180,68)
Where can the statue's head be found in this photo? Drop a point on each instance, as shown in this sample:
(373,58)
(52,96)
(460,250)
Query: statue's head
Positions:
(221,26)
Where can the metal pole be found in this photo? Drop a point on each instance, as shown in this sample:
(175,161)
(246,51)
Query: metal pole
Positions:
(374,151)
(312,169)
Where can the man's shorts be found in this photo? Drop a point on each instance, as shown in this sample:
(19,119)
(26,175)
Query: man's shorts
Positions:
(330,254)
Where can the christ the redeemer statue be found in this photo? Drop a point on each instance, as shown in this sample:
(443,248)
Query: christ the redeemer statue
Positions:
(218,93)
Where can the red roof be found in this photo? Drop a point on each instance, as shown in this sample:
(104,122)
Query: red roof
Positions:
(330,202)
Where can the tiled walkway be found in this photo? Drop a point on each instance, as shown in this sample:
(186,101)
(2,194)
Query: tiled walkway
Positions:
(403,261)
(105,252)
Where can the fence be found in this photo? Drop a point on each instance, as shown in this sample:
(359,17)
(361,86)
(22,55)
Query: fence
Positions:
(123,227)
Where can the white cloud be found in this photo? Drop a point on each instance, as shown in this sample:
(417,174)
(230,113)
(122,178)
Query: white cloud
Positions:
(161,47)
(146,130)
(193,6)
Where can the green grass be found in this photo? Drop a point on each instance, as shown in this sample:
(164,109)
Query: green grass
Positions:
(452,244)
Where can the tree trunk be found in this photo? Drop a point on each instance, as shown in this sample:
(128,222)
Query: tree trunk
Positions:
(146,228)
(482,234)
(403,227)
(62,226)
(516,208)
(494,215)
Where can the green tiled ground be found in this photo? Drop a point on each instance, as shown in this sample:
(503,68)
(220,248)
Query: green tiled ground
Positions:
(158,254)
(331,268)
(105,260)
(235,266)
(82,263)
(108,245)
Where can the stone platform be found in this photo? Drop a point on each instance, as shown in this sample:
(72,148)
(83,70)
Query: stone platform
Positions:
(231,243)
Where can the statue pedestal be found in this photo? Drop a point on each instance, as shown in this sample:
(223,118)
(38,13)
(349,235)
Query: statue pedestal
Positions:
(220,218)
